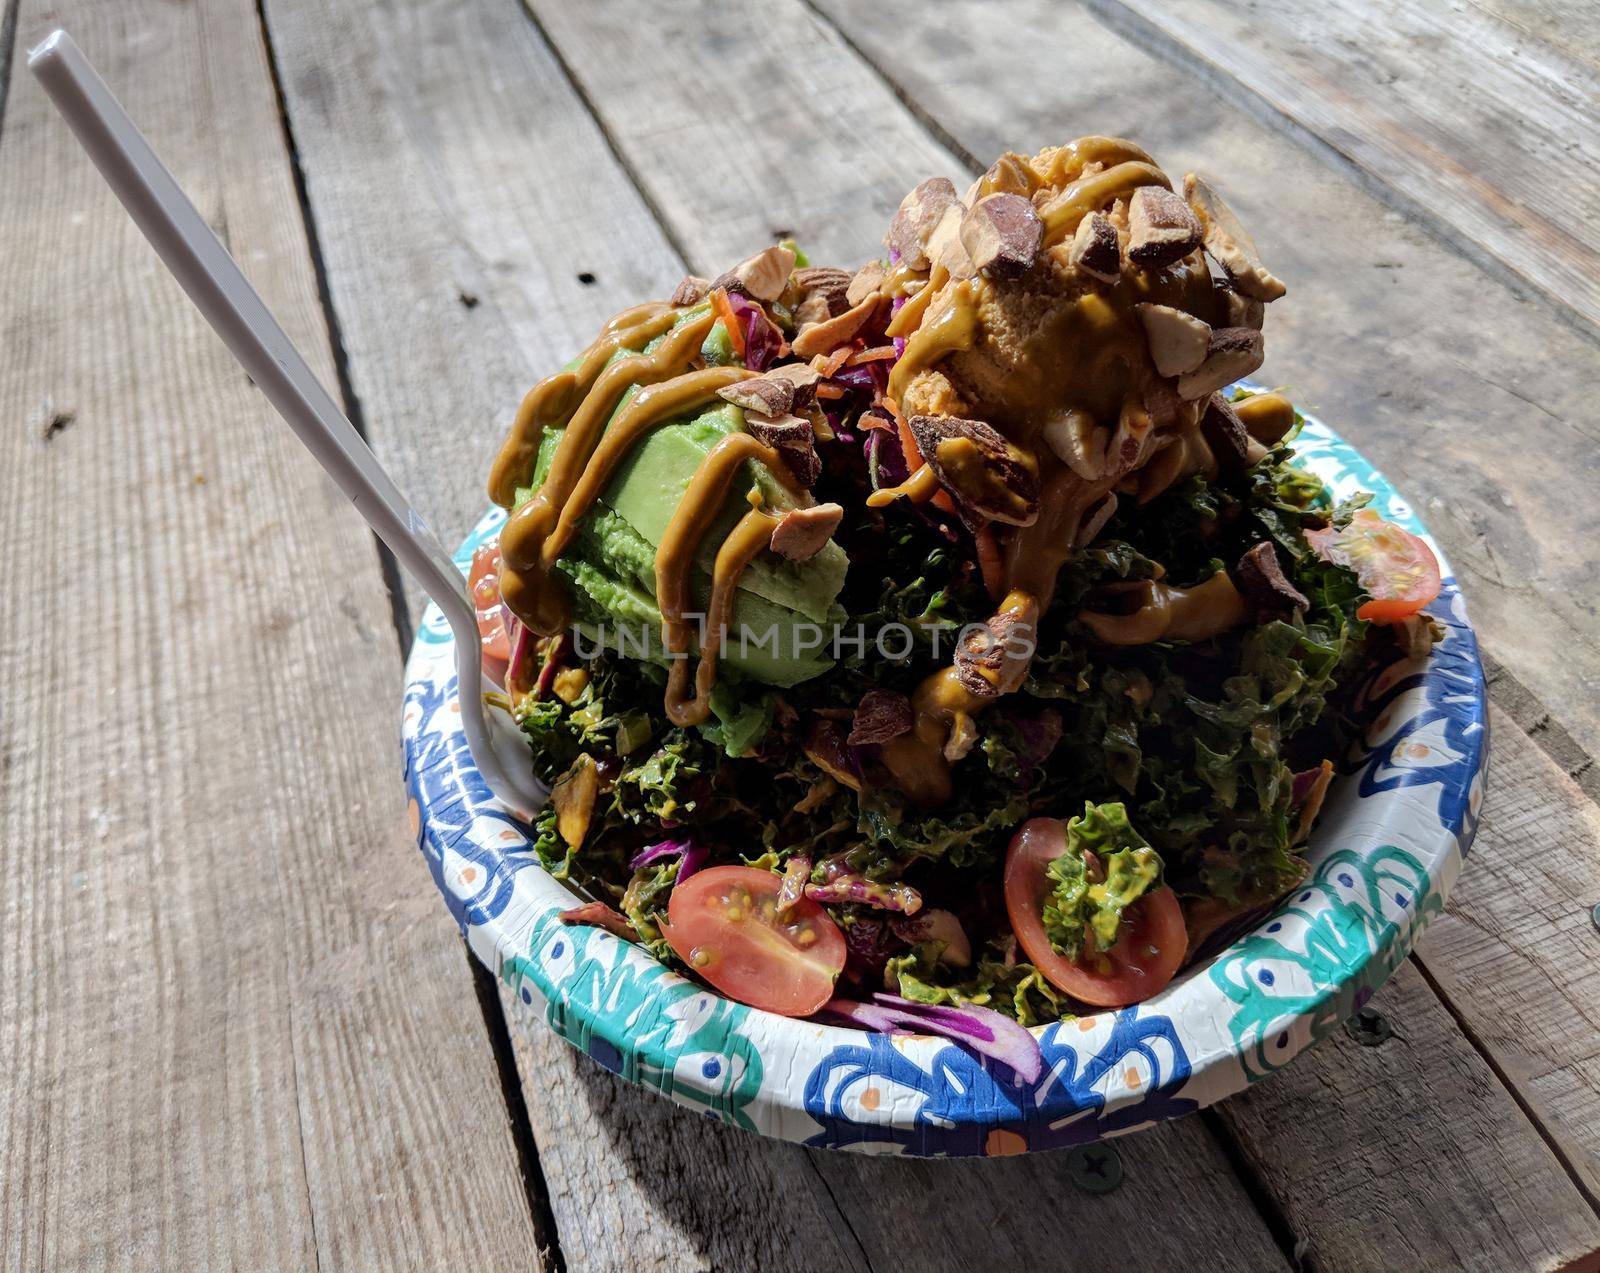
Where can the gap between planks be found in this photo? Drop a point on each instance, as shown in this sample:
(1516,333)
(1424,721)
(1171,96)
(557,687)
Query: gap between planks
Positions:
(8,40)
(399,611)
(534,1186)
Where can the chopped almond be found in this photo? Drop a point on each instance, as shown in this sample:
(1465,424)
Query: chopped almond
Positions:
(989,478)
(816,338)
(868,279)
(1230,353)
(1261,581)
(764,276)
(1177,339)
(945,247)
(770,395)
(1002,234)
(881,715)
(1228,244)
(1095,248)
(691,291)
(920,212)
(803,532)
(1161,228)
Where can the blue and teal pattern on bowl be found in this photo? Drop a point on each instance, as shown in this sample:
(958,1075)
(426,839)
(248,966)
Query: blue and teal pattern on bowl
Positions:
(1395,828)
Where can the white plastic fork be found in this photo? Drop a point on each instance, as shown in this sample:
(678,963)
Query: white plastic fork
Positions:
(225,298)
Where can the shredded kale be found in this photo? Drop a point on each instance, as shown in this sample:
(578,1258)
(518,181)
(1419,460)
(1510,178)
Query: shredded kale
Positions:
(1087,901)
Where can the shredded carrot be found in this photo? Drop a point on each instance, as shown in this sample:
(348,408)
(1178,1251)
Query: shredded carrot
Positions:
(874,420)
(730,320)
(989,561)
(908,443)
(829,391)
(876,354)
(836,359)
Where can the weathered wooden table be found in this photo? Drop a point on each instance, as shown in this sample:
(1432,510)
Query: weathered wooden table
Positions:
(237,1028)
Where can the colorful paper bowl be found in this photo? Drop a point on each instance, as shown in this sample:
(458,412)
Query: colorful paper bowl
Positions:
(1397,824)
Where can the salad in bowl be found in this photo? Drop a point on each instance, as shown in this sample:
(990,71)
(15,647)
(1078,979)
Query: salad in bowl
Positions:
(951,645)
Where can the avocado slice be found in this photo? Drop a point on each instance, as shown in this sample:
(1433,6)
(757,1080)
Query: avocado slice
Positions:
(611,562)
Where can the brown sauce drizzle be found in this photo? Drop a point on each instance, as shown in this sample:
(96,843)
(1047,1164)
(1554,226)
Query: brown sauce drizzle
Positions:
(699,508)
(583,401)
(1166,613)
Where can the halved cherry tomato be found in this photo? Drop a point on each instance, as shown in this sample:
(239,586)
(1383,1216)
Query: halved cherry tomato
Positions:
(484,584)
(1397,568)
(1150,943)
(723,922)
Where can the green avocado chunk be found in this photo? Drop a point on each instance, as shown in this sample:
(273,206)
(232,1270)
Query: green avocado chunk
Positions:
(611,562)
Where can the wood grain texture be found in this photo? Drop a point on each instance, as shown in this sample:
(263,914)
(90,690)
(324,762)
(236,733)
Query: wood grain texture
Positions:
(723,1199)
(236,1029)
(461,195)
(1517,953)
(1454,1182)
(633,1181)
(745,122)
(1490,134)
(1468,395)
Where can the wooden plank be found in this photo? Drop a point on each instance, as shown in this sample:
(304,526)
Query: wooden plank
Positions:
(719,1187)
(1559,24)
(1453,1181)
(1467,395)
(235,1029)
(747,121)
(1492,136)
(1517,954)
(622,1195)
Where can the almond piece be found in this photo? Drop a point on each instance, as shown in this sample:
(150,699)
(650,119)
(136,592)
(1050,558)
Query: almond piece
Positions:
(1008,174)
(770,396)
(1077,442)
(1161,228)
(1230,353)
(824,283)
(920,212)
(792,437)
(766,274)
(1261,581)
(813,308)
(803,532)
(868,279)
(995,660)
(1002,234)
(1095,249)
(691,291)
(1237,309)
(1177,339)
(1228,244)
(945,247)
(881,715)
(826,336)
(989,478)
(803,376)
(1225,434)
